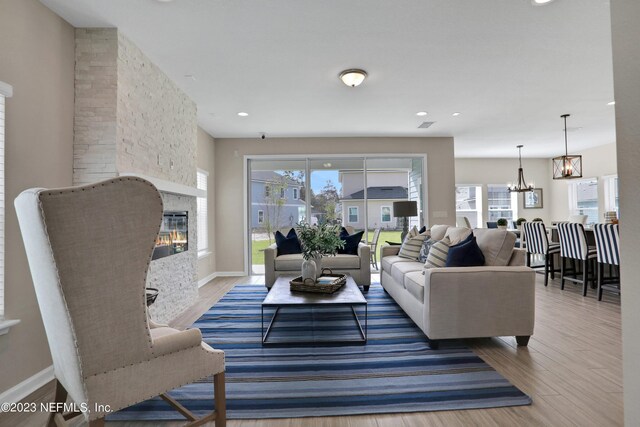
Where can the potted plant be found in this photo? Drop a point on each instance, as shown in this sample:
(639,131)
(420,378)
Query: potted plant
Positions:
(519,223)
(537,220)
(317,241)
(502,223)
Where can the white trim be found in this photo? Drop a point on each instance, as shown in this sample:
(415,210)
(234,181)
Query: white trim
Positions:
(231,274)
(168,186)
(19,391)
(6,89)
(202,171)
(203,254)
(207,279)
(246,190)
(382,215)
(6,324)
(349,215)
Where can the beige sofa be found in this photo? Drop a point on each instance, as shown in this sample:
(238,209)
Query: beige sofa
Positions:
(358,266)
(497,299)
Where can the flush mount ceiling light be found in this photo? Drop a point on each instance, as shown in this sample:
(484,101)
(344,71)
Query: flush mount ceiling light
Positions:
(456,114)
(568,166)
(243,114)
(421,113)
(611,103)
(353,77)
(521,185)
(540,2)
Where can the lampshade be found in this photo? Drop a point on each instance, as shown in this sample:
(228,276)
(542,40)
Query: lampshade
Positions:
(405,208)
(353,77)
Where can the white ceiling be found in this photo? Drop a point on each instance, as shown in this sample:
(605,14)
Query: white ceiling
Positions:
(509,67)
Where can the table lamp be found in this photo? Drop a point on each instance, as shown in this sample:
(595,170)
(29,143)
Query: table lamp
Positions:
(405,209)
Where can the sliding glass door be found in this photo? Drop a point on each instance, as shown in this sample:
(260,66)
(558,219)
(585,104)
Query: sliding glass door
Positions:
(355,192)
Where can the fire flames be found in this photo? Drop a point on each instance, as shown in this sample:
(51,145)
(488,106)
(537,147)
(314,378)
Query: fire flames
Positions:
(172,238)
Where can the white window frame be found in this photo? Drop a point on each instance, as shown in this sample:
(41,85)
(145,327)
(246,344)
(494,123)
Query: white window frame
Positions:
(382,214)
(260,216)
(296,192)
(349,214)
(267,190)
(514,204)
(573,197)
(202,215)
(610,183)
(283,193)
(478,210)
(6,91)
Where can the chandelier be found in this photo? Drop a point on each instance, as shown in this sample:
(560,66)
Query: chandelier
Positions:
(568,166)
(521,185)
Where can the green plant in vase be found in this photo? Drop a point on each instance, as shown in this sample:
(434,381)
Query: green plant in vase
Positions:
(317,241)
(502,223)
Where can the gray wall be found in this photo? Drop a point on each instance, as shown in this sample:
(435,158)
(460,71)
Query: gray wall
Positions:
(230,192)
(37,59)
(625,15)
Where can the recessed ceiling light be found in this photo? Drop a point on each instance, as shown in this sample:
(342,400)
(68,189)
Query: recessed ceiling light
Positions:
(243,114)
(540,2)
(611,103)
(353,77)
(164,1)
(421,113)
(456,114)
(326,165)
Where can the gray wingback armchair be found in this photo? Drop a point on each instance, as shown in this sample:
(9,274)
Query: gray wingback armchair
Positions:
(89,250)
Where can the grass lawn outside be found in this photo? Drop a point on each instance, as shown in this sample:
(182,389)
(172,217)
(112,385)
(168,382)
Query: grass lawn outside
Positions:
(258,246)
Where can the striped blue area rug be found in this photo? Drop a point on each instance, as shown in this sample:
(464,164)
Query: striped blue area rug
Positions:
(395,371)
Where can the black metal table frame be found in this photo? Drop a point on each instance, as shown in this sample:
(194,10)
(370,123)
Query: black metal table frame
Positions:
(363,332)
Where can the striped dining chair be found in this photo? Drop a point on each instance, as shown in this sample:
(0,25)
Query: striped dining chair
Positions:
(535,234)
(607,245)
(573,245)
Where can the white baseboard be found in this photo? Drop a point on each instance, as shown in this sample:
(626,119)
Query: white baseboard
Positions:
(25,388)
(207,279)
(230,274)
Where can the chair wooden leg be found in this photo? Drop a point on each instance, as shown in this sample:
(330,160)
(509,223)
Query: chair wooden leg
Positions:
(600,272)
(60,397)
(546,269)
(562,263)
(585,277)
(553,266)
(528,259)
(220,399)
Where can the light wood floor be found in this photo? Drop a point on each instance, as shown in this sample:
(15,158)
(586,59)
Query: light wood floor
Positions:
(572,368)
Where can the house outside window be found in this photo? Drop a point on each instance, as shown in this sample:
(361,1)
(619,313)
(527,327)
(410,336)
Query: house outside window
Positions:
(282,193)
(353,214)
(202,214)
(267,190)
(295,194)
(501,203)
(385,214)
(583,199)
(260,217)
(469,203)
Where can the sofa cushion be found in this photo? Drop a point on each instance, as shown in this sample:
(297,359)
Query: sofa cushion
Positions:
(424,250)
(438,231)
(351,242)
(388,261)
(289,244)
(465,254)
(399,269)
(293,262)
(496,245)
(457,234)
(438,254)
(414,284)
(341,261)
(411,247)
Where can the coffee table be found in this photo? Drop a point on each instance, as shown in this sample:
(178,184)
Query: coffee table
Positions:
(280,297)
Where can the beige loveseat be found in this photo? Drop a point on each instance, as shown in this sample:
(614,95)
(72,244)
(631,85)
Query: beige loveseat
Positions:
(358,266)
(497,299)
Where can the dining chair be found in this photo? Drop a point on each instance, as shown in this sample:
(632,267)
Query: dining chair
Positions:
(535,234)
(608,250)
(492,224)
(373,248)
(573,246)
(89,250)
(580,219)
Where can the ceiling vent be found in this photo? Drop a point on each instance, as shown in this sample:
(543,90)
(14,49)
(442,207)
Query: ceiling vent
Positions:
(425,125)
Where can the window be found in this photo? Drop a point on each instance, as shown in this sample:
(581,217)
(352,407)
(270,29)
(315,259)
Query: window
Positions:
(203,229)
(353,214)
(611,195)
(501,203)
(583,199)
(261,217)
(5,91)
(282,193)
(267,190)
(385,214)
(295,194)
(469,203)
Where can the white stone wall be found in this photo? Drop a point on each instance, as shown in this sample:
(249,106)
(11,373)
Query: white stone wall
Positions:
(130,117)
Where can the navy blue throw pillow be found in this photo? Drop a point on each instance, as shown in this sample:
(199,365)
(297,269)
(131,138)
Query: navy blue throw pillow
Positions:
(422,229)
(465,254)
(288,245)
(351,242)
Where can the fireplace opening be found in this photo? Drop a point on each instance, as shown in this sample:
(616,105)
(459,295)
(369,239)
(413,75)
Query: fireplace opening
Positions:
(174,234)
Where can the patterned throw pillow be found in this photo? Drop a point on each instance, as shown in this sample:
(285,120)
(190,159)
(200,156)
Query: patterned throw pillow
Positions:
(424,250)
(438,254)
(411,247)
